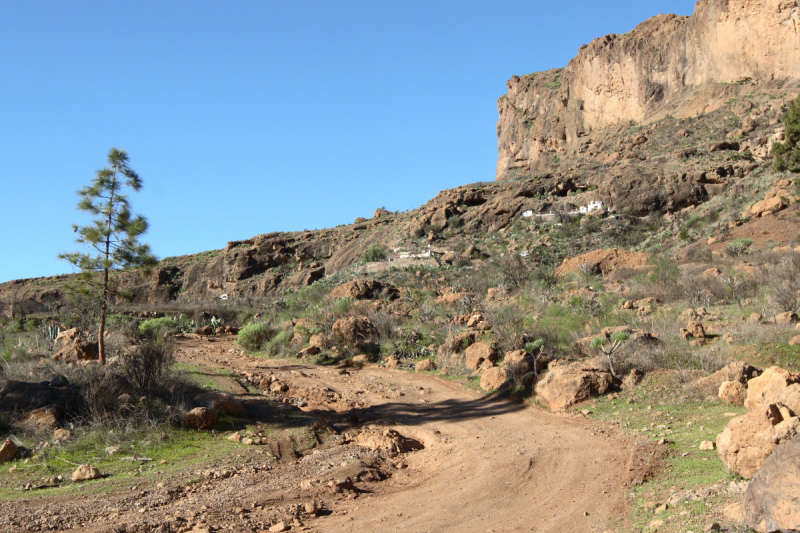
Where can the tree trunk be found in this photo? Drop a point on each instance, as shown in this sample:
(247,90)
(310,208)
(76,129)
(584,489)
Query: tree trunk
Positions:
(101,343)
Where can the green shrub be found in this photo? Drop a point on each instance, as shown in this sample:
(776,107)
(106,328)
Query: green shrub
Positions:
(787,154)
(455,222)
(738,247)
(149,328)
(374,253)
(253,336)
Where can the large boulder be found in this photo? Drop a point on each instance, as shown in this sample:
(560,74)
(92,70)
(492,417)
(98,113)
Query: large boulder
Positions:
(200,418)
(566,385)
(49,417)
(762,390)
(765,207)
(734,371)
(494,378)
(79,350)
(220,402)
(354,328)
(479,352)
(86,473)
(7,451)
(748,440)
(786,319)
(365,289)
(772,499)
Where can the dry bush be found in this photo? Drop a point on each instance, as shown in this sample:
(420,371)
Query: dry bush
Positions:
(145,364)
(507,326)
(781,272)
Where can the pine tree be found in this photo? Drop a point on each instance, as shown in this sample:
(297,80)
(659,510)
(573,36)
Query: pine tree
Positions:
(112,235)
(787,154)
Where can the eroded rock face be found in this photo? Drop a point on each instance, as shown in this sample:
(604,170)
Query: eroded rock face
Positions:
(642,75)
(604,262)
(566,385)
(354,328)
(772,499)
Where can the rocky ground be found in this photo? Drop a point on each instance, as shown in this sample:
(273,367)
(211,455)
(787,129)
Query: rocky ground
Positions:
(483,463)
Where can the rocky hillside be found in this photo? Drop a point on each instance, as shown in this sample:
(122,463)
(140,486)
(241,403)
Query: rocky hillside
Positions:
(668,66)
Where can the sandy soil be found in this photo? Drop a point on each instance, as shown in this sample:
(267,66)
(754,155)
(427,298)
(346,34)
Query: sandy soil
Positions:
(487,465)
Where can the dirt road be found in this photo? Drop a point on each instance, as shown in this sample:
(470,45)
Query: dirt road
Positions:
(487,464)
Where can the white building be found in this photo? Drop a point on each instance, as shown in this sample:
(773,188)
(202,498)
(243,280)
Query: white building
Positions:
(595,205)
(527,213)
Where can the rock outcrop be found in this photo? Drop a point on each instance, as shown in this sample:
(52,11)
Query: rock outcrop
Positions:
(642,76)
(772,499)
(566,385)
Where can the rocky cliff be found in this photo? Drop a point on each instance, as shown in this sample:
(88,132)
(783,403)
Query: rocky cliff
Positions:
(667,66)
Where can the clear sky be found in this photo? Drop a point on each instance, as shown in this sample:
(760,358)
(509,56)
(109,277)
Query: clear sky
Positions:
(246,117)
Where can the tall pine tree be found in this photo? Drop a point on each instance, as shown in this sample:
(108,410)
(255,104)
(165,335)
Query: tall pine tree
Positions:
(112,236)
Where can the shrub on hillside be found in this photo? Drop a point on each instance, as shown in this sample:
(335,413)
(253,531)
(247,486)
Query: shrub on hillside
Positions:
(150,328)
(787,153)
(374,253)
(253,336)
(145,365)
(738,247)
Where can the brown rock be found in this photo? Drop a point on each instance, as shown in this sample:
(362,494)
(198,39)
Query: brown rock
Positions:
(362,358)
(61,434)
(732,392)
(734,371)
(605,262)
(707,445)
(454,298)
(566,385)
(426,365)
(365,289)
(388,439)
(85,473)
(49,417)
(220,402)
(771,499)
(494,378)
(518,359)
(200,418)
(755,318)
(795,341)
(317,340)
(696,329)
(281,526)
(205,331)
(763,390)
(748,440)
(354,328)
(786,319)
(632,379)
(79,350)
(474,320)
(7,451)
(392,362)
(767,207)
(478,353)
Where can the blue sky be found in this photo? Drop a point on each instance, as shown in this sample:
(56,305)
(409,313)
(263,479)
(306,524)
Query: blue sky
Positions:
(246,117)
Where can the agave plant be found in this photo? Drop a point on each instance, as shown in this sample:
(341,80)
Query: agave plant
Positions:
(49,333)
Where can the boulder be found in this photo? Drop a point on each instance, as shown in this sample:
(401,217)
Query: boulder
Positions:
(632,379)
(566,385)
(478,353)
(362,358)
(732,392)
(66,337)
(748,440)
(318,341)
(85,473)
(772,499)
(392,362)
(494,378)
(7,451)
(696,329)
(48,417)
(733,371)
(766,207)
(795,341)
(426,365)
(763,389)
(205,331)
(474,320)
(354,328)
(308,352)
(365,289)
(219,401)
(79,350)
(755,318)
(387,439)
(786,319)
(461,341)
(200,418)
(520,359)
(61,434)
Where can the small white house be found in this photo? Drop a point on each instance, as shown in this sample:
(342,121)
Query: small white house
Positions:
(527,213)
(595,205)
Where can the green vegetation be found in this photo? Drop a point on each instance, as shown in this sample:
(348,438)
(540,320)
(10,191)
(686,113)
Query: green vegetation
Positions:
(114,234)
(787,153)
(253,336)
(374,253)
(150,328)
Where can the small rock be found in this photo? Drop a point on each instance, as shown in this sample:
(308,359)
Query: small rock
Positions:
(113,450)
(61,434)
(236,437)
(85,473)
(311,507)
(656,523)
(707,445)
(277,528)
(247,441)
(711,527)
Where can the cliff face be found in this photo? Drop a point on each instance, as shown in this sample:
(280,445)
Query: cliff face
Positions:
(667,66)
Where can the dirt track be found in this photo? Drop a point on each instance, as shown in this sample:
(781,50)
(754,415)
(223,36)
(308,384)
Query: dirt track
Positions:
(487,464)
